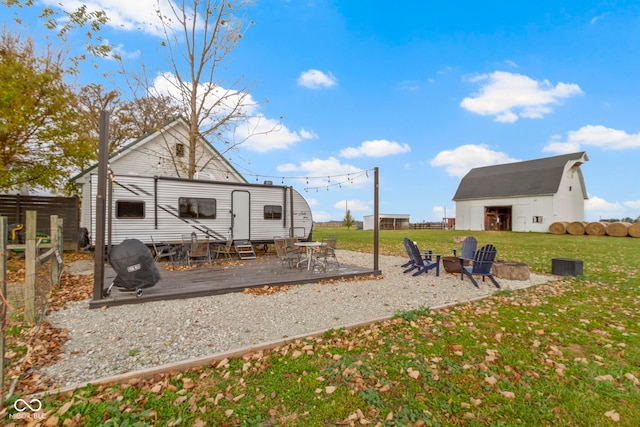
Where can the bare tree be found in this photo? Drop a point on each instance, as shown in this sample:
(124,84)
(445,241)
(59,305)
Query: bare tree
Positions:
(200,36)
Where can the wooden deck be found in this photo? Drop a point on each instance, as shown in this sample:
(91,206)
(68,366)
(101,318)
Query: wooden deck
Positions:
(222,277)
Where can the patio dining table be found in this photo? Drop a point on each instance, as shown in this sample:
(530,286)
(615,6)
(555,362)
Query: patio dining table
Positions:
(310,248)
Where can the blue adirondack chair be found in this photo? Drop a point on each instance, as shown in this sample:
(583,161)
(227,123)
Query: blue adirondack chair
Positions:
(407,248)
(468,248)
(480,265)
(412,261)
(422,262)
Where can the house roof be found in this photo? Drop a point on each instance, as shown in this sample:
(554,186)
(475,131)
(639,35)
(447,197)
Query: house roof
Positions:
(528,178)
(134,144)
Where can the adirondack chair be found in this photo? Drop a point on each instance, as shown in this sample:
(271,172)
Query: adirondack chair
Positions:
(411,262)
(480,266)
(406,242)
(422,262)
(468,248)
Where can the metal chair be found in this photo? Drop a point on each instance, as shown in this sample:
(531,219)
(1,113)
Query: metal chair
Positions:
(226,250)
(328,251)
(163,250)
(198,250)
(290,258)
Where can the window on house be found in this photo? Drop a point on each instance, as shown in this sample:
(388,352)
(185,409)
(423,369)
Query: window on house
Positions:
(129,209)
(192,207)
(179,150)
(537,219)
(272,212)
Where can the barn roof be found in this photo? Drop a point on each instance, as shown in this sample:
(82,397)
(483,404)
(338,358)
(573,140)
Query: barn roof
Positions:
(528,178)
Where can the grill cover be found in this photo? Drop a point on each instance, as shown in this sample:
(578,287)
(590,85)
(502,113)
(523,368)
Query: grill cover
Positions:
(133,264)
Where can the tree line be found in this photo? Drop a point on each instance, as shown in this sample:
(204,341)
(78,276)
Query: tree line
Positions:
(49,124)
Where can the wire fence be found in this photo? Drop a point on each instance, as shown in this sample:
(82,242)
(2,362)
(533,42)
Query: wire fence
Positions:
(24,293)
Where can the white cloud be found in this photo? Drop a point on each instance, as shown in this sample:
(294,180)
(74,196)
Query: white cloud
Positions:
(461,160)
(321,216)
(354,205)
(375,148)
(263,134)
(259,133)
(316,79)
(594,136)
(127,15)
(440,212)
(633,204)
(121,52)
(597,18)
(327,173)
(509,96)
(596,208)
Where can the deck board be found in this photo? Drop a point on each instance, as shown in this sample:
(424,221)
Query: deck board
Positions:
(222,277)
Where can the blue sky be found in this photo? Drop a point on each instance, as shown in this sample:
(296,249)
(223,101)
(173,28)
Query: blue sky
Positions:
(425,91)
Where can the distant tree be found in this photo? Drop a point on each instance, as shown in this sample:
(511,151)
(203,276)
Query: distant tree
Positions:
(39,143)
(348,220)
(128,119)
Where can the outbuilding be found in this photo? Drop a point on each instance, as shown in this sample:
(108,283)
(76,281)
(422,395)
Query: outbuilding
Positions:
(522,196)
(387,222)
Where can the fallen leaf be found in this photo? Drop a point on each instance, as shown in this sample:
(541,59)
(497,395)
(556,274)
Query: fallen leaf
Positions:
(491,380)
(632,378)
(615,417)
(508,394)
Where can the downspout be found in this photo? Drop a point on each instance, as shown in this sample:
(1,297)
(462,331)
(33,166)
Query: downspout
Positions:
(155,202)
(291,232)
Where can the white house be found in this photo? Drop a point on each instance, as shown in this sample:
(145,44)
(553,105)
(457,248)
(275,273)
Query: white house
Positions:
(165,152)
(522,196)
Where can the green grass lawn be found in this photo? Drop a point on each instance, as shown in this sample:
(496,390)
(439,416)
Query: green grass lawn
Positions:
(566,353)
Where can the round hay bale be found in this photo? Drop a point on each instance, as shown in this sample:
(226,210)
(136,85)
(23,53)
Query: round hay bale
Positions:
(597,228)
(618,229)
(634,229)
(577,228)
(558,227)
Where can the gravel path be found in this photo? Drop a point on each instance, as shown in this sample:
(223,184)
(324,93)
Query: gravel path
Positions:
(106,342)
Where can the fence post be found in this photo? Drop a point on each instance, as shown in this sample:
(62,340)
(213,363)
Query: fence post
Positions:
(56,242)
(4,228)
(30,265)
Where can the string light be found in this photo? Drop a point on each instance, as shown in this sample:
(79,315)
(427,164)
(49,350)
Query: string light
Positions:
(311,182)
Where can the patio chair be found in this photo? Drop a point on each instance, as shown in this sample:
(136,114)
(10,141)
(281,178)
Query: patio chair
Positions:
(421,261)
(480,265)
(328,251)
(220,250)
(286,257)
(468,248)
(198,250)
(406,242)
(163,250)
